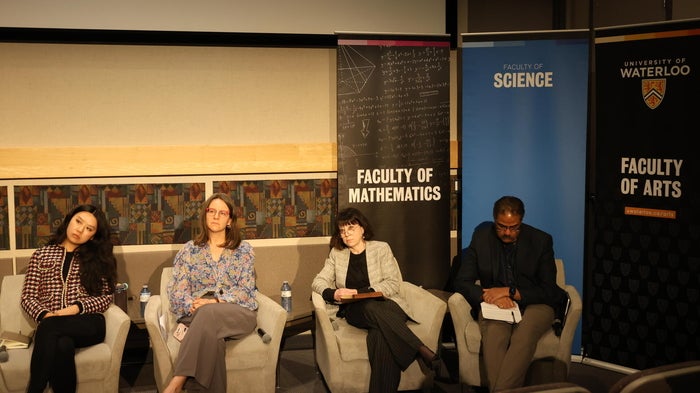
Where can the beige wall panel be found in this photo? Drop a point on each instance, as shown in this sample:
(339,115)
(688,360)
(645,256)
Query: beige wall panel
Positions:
(270,16)
(120,95)
(21,264)
(138,268)
(6,267)
(297,264)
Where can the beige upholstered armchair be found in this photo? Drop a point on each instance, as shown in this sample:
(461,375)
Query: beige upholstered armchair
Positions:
(251,364)
(97,366)
(553,387)
(675,377)
(341,349)
(552,357)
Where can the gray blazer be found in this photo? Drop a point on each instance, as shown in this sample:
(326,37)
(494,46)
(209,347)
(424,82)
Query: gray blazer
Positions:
(382,268)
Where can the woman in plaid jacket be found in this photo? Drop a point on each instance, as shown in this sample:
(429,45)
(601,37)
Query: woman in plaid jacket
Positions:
(69,284)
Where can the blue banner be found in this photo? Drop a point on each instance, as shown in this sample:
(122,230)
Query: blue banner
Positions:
(524,126)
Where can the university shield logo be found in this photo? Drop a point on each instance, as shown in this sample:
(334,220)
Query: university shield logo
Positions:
(653,91)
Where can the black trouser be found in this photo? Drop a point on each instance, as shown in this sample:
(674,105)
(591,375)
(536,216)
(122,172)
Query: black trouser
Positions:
(391,345)
(55,341)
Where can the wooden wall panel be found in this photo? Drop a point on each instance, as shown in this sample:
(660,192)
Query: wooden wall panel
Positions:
(114,161)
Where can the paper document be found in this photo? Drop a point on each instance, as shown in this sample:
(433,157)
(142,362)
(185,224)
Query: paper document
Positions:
(492,311)
(13,340)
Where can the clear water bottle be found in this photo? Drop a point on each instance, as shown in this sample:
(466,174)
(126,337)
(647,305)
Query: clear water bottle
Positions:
(286,292)
(144,295)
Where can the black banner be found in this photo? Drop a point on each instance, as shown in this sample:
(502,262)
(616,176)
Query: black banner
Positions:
(642,297)
(394,147)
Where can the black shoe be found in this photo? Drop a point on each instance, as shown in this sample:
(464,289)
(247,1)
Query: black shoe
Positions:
(436,366)
(433,366)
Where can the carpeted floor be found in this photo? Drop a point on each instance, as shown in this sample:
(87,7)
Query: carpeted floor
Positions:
(298,372)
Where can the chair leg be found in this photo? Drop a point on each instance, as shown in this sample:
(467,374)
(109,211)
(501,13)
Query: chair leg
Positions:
(279,361)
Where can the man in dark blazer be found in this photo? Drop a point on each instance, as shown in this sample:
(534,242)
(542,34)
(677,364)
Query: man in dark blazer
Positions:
(514,264)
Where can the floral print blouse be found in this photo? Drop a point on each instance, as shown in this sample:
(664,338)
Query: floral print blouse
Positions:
(195,272)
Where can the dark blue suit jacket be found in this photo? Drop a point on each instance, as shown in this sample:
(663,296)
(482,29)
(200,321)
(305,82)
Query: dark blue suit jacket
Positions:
(535,270)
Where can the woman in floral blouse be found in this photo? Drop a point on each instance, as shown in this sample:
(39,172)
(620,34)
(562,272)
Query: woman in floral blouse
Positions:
(212,290)
(69,284)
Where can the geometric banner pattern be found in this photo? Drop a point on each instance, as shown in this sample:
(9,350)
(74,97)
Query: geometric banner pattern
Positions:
(643,298)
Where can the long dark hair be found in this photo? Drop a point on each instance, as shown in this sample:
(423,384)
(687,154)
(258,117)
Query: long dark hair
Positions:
(97,262)
(350,216)
(233,234)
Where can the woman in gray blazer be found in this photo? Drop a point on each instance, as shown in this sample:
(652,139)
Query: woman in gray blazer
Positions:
(358,264)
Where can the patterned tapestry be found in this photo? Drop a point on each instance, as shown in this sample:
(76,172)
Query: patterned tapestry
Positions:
(269,209)
(137,213)
(168,213)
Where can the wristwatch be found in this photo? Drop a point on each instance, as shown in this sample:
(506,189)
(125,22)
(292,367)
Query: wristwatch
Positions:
(511,292)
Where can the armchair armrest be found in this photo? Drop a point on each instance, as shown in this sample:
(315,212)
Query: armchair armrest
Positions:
(461,312)
(428,310)
(152,316)
(271,318)
(326,346)
(117,327)
(162,363)
(468,338)
(571,322)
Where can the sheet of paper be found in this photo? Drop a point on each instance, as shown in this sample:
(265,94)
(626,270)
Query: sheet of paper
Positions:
(492,311)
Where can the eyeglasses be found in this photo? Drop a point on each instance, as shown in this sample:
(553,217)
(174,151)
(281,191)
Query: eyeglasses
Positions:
(348,230)
(214,212)
(503,228)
